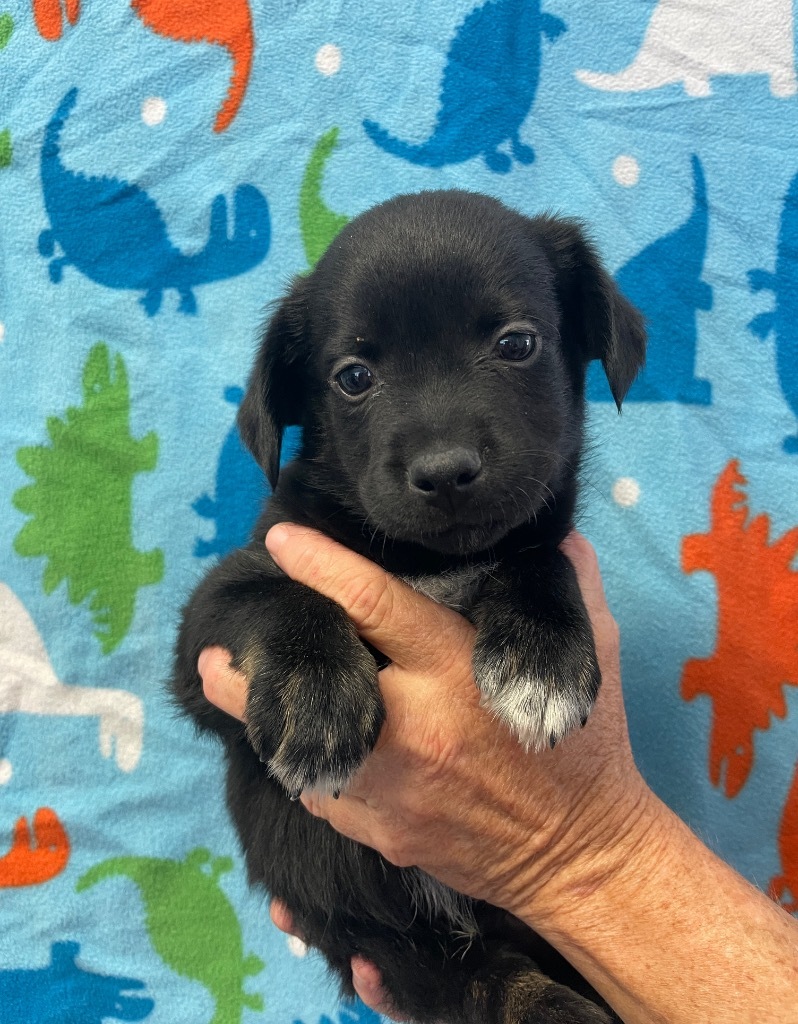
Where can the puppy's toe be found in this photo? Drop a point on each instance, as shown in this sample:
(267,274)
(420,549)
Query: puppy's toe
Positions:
(330,714)
(541,690)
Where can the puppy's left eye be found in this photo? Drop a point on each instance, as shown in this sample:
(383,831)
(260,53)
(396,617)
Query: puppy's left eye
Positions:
(354,380)
(517,346)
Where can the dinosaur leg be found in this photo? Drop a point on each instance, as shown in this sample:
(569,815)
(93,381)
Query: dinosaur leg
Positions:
(152,301)
(790,444)
(697,86)
(762,279)
(783,83)
(47,243)
(523,154)
(188,304)
(498,162)
(56,269)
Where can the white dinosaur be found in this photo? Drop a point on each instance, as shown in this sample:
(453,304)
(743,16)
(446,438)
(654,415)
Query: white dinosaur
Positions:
(689,41)
(29,685)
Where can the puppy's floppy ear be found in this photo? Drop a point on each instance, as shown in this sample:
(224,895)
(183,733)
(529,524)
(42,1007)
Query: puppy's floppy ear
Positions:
(273,399)
(596,316)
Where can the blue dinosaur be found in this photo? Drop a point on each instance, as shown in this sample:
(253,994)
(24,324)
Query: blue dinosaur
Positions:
(783,320)
(664,281)
(355,1012)
(113,232)
(64,993)
(489,86)
(240,489)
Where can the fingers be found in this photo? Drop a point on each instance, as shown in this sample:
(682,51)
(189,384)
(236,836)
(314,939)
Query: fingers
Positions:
(367,982)
(281,918)
(411,630)
(366,978)
(221,683)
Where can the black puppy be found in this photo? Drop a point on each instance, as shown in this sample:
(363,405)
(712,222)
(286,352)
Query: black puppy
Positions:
(435,360)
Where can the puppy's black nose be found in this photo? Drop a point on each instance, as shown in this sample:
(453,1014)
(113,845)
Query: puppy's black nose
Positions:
(445,478)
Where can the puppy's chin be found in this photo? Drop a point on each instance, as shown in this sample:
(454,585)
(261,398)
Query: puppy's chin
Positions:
(457,539)
(464,540)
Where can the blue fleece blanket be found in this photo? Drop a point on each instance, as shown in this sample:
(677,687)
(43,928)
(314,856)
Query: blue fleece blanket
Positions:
(165,168)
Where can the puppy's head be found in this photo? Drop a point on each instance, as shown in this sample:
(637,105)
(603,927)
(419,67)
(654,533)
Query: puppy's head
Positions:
(436,360)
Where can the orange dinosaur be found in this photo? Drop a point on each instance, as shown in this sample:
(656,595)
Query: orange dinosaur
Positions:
(227,24)
(756,653)
(37,860)
(49,17)
(788,849)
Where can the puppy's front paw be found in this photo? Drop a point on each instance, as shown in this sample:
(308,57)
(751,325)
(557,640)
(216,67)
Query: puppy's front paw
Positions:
(540,680)
(313,715)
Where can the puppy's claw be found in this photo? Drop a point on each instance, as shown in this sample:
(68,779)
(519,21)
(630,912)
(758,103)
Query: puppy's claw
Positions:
(336,794)
(583,720)
(553,741)
(295,795)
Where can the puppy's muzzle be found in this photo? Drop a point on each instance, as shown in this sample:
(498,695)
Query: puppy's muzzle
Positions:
(445,479)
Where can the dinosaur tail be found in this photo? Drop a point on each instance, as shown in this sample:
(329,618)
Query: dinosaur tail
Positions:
(427,154)
(699,184)
(242,65)
(129,866)
(52,135)
(317,222)
(632,79)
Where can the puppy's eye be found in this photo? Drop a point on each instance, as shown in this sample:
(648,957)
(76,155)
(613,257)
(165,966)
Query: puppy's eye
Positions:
(355,379)
(517,346)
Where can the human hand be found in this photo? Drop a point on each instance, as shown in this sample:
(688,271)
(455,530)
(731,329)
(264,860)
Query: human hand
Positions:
(447,788)
(366,978)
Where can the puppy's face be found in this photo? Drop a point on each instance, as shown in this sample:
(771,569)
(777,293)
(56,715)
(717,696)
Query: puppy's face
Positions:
(436,360)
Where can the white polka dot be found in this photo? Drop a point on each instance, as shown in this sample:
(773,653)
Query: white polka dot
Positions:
(626,171)
(328,59)
(6,771)
(2,333)
(296,945)
(626,491)
(153,110)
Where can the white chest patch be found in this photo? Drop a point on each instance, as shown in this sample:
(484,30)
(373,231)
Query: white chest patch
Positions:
(457,589)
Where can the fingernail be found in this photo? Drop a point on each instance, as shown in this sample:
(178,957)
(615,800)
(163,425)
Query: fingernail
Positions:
(275,539)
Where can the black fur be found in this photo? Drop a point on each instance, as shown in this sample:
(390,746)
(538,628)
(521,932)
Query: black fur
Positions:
(455,457)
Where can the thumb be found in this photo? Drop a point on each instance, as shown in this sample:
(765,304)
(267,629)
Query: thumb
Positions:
(410,629)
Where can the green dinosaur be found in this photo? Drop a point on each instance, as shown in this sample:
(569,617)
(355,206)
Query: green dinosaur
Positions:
(318,223)
(82,504)
(192,926)
(6,30)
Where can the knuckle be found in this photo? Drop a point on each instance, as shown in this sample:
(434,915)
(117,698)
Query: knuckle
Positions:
(369,601)
(397,853)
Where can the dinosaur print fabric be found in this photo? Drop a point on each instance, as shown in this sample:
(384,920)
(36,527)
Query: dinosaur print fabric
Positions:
(165,169)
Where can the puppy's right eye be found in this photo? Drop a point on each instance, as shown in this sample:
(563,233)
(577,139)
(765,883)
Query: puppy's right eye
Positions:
(354,380)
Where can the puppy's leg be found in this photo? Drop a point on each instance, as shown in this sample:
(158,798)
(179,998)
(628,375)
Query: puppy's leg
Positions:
(511,990)
(535,659)
(314,709)
(493,983)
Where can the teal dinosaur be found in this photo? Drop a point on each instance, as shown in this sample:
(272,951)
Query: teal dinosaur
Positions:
(82,503)
(318,223)
(6,31)
(192,926)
